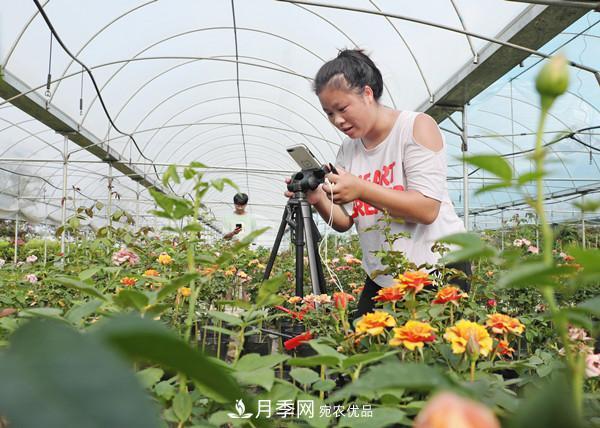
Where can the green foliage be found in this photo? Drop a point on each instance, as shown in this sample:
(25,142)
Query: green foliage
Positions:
(70,380)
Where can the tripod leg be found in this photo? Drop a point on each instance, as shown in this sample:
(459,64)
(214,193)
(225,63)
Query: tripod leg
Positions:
(316,240)
(310,247)
(299,251)
(276,244)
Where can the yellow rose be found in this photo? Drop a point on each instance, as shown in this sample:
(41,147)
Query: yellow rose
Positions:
(469,336)
(374,323)
(165,259)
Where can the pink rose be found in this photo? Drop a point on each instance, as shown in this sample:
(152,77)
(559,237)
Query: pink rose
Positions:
(448,410)
(31,278)
(533,250)
(592,362)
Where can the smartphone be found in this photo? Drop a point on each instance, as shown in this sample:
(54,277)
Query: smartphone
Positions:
(238,225)
(303,157)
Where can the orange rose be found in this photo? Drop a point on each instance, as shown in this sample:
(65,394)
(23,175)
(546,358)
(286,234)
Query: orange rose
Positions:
(390,294)
(502,324)
(448,294)
(185,291)
(414,281)
(151,272)
(413,335)
(127,281)
(503,348)
(341,299)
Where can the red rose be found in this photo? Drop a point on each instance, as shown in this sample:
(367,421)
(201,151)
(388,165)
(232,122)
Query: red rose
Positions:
(294,342)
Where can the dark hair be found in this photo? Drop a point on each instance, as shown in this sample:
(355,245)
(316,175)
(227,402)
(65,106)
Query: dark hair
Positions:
(240,199)
(357,69)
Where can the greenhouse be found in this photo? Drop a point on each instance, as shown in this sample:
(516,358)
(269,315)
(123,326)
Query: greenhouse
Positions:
(204,221)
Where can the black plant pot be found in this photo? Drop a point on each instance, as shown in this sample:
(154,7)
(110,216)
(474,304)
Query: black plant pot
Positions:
(214,347)
(213,343)
(257,344)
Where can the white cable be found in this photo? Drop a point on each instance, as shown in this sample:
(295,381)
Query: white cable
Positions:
(331,273)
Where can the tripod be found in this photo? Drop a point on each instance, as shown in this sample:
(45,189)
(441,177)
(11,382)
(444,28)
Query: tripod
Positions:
(304,232)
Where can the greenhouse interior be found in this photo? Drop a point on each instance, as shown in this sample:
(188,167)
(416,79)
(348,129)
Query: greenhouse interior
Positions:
(421,250)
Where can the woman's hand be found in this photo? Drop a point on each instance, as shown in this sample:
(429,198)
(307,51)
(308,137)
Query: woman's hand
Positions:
(312,196)
(344,187)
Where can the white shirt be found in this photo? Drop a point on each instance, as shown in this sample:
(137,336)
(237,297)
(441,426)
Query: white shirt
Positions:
(399,163)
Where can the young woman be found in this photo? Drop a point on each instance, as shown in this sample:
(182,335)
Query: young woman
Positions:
(392,160)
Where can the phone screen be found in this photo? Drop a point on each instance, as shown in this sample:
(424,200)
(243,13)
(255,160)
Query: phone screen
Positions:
(238,226)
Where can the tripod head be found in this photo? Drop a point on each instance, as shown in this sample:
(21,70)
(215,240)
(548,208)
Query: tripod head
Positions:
(308,179)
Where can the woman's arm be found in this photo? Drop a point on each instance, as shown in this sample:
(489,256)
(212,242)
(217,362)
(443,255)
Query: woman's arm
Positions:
(410,205)
(341,221)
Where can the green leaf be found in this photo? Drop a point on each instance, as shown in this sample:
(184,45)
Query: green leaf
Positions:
(79,312)
(71,380)
(318,360)
(81,286)
(88,273)
(588,206)
(472,247)
(304,376)
(269,289)
(143,339)
(156,309)
(150,376)
(173,285)
(251,362)
(326,350)
(590,306)
(492,187)
(529,176)
(365,358)
(41,312)
(170,174)
(589,260)
(131,299)
(228,318)
(164,390)
(323,385)
(193,228)
(263,377)
(550,405)
(182,406)
(411,376)
(494,164)
(533,274)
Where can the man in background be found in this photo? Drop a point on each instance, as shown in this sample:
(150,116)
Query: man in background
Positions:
(240,223)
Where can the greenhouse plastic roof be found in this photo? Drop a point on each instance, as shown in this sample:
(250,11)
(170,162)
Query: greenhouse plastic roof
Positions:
(228,84)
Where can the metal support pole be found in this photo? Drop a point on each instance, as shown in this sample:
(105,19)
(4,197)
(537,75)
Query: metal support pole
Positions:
(64,195)
(16,254)
(109,200)
(464,149)
(137,206)
(502,229)
(582,223)
(45,230)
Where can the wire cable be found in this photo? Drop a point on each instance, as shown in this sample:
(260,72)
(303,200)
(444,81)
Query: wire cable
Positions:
(90,74)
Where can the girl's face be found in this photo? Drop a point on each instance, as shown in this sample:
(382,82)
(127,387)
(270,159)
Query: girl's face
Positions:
(351,112)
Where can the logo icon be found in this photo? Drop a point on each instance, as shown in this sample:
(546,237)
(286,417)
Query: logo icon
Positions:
(241,409)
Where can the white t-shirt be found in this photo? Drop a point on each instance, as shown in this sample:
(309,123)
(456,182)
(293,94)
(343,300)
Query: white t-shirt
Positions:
(246,220)
(399,163)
